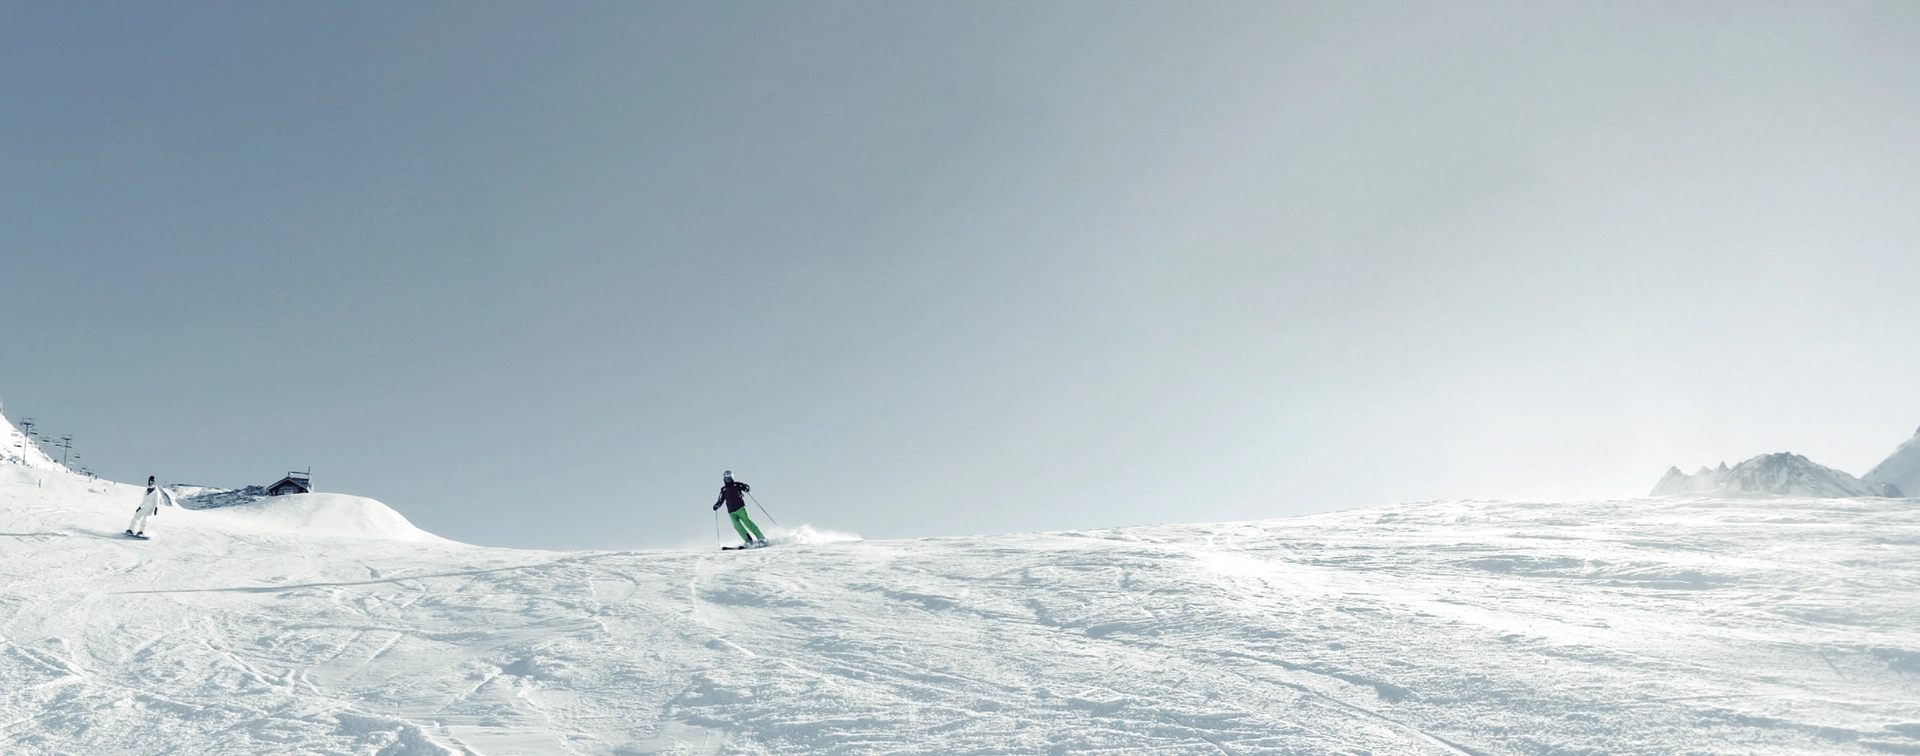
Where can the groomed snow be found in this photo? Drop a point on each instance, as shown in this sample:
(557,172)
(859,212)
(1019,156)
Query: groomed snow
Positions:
(1660,626)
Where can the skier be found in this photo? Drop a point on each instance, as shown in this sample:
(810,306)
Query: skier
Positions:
(732,494)
(149,506)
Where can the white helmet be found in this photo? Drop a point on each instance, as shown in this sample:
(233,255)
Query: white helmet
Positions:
(728,475)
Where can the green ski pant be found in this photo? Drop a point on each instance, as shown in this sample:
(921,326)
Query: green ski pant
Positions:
(742,524)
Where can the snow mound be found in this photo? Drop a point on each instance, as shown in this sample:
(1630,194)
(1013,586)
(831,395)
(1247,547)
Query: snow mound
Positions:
(64,502)
(316,514)
(1783,474)
(1900,470)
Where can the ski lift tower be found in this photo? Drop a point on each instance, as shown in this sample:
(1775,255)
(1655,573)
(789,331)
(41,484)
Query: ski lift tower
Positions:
(26,438)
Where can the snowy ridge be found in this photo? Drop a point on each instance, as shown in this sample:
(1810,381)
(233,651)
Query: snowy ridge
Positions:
(1900,469)
(16,448)
(1655,626)
(104,507)
(1703,480)
(1783,474)
(207,497)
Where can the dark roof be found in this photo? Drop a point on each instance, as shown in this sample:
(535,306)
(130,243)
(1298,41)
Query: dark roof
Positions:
(302,482)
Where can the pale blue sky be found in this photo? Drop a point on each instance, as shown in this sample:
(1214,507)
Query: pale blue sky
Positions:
(535,274)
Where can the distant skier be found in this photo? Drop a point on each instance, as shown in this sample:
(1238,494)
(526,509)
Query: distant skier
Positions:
(733,494)
(149,506)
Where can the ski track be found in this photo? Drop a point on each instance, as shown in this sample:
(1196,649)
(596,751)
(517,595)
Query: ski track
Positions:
(1630,627)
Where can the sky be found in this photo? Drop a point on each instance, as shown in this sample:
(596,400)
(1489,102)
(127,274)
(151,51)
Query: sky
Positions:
(535,274)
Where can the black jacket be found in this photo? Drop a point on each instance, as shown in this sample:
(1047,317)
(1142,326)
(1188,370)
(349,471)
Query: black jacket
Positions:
(733,495)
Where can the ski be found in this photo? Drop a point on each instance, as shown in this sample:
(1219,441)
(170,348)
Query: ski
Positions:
(141,537)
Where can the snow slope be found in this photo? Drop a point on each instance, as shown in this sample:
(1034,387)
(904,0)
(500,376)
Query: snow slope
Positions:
(1783,474)
(316,514)
(1660,626)
(17,449)
(1900,469)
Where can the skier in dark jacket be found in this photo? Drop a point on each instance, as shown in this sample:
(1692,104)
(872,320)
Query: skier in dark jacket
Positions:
(733,494)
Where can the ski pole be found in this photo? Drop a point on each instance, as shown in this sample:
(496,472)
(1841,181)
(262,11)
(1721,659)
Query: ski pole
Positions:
(763,510)
(716,525)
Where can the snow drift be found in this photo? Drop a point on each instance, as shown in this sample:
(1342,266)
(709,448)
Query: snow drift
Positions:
(1685,625)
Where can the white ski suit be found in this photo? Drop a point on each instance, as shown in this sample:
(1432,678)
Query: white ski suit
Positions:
(149,506)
